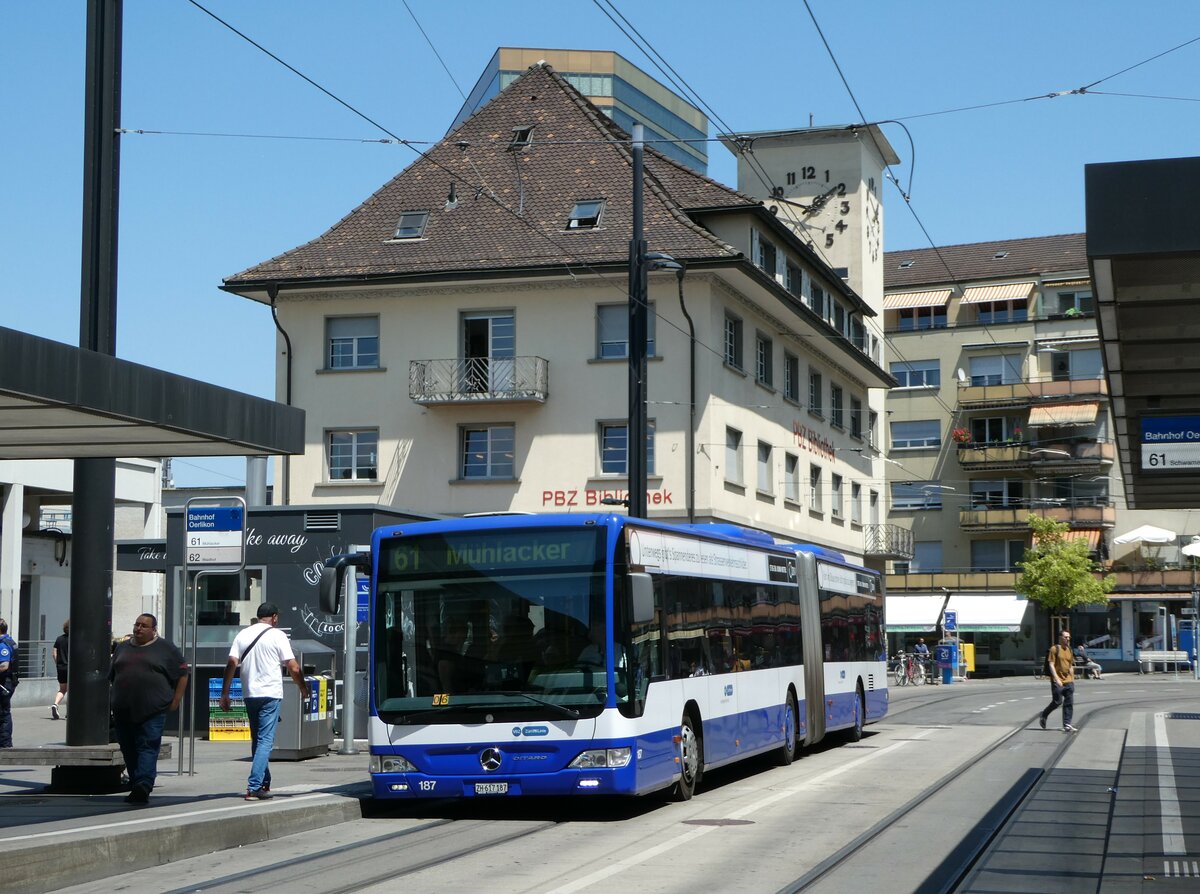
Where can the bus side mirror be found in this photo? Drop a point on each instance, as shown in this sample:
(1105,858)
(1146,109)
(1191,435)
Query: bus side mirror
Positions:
(329,590)
(641,589)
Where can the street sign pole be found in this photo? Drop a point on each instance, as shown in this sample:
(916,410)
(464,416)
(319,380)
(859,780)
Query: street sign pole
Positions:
(215,540)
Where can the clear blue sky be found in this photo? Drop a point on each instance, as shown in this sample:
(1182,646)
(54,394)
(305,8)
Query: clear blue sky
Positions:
(195,208)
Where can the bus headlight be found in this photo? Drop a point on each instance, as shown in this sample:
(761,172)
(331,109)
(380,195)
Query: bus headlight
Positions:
(612,758)
(390,764)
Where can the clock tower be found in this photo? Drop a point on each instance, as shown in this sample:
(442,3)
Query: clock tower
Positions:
(826,183)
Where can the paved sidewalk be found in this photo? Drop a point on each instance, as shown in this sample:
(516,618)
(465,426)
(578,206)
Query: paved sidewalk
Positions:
(50,841)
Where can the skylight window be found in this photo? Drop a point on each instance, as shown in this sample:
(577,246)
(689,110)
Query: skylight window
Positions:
(1000,256)
(904,265)
(586,215)
(521,137)
(411,225)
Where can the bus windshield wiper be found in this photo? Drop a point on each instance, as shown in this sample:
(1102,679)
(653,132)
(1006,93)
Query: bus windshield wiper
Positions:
(562,709)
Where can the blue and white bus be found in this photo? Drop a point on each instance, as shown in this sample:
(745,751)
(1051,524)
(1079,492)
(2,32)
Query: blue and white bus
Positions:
(598,654)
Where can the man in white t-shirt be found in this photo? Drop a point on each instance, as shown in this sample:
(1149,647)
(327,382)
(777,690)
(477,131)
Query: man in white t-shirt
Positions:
(261,651)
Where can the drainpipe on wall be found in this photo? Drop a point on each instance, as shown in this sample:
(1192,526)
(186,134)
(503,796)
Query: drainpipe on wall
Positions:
(690,444)
(273,294)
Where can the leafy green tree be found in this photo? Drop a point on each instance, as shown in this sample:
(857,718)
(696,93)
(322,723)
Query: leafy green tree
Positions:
(1057,573)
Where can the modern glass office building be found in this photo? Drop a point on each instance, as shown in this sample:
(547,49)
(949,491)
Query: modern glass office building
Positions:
(616,86)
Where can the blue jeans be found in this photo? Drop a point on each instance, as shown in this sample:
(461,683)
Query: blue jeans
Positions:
(263,714)
(140,743)
(1063,695)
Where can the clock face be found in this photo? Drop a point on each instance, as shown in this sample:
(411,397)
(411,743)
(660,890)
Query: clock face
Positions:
(828,213)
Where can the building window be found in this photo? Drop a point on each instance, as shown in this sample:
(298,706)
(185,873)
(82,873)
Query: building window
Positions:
(411,225)
(795,280)
(353,342)
(1003,311)
(791,376)
(918,373)
(791,477)
(858,334)
(612,331)
(998,494)
(835,496)
(733,341)
(521,137)
(856,503)
(816,299)
(927,559)
(814,488)
(918,433)
(614,448)
(1073,365)
(766,256)
(839,318)
(836,418)
(733,456)
(763,360)
(856,418)
(996,555)
(907,495)
(765,482)
(487,451)
(873,428)
(1072,303)
(353,455)
(995,369)
(586,215)
(991,429)
(815,387)
(873,506)
(921,318)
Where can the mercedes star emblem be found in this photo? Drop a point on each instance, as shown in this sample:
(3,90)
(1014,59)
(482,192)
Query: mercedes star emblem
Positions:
(490,759)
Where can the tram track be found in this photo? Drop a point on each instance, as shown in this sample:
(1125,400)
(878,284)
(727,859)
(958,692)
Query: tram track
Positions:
(962,859)
(343,859)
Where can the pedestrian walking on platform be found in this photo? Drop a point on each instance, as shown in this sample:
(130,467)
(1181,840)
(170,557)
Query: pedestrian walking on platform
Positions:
(260,652)
(1061,663)
(148,675)
(8,683)
(62,655)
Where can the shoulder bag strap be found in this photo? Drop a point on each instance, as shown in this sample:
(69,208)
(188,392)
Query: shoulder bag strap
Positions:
(253,644)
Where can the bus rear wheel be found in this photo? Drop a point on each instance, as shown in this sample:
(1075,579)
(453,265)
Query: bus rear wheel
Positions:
(786,753)
(691,759)
(860,716)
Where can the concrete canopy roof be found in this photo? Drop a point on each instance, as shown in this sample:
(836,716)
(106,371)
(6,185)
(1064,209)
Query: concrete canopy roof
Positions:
(1143,245)
(58,401)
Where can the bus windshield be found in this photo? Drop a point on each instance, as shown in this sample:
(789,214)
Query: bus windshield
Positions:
(490,625)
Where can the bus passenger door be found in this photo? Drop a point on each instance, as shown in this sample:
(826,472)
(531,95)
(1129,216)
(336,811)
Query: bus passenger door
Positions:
(814,659)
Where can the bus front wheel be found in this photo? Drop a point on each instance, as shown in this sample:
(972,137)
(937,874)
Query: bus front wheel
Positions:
(691,759)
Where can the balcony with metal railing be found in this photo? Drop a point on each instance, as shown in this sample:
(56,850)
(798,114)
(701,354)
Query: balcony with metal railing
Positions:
(478,380)
(954,581)
(1014,516)
(1029,391)
(888,541)
(1076,454)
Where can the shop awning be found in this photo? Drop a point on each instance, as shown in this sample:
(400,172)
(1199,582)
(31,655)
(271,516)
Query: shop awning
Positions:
(977,613)
(1065,414)
(1012,291)
(1090,535)
(912,614)
(906,300)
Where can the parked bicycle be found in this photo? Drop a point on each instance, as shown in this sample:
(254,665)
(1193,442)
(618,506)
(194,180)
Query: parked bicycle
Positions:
(908,670)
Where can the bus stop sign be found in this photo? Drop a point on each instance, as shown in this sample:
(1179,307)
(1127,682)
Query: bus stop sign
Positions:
(951,621)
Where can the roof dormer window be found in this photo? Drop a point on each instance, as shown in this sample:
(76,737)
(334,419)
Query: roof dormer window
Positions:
(521,137)
(411,225)
(586,215)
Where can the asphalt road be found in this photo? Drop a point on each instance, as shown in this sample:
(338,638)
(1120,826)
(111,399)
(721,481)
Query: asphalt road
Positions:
(909,808)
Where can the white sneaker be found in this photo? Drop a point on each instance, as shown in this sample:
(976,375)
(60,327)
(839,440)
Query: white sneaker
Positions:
(54,712)
(1067,728)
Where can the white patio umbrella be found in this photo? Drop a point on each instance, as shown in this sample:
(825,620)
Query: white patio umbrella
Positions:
(1193,548)
(1146,534)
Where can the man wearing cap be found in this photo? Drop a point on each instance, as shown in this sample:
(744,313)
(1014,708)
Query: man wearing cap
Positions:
(261,651)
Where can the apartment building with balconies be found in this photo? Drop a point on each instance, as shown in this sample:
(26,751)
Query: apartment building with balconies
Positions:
(1002,412)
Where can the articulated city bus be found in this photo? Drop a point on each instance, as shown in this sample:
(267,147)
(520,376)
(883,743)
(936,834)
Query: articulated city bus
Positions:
(598,654)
